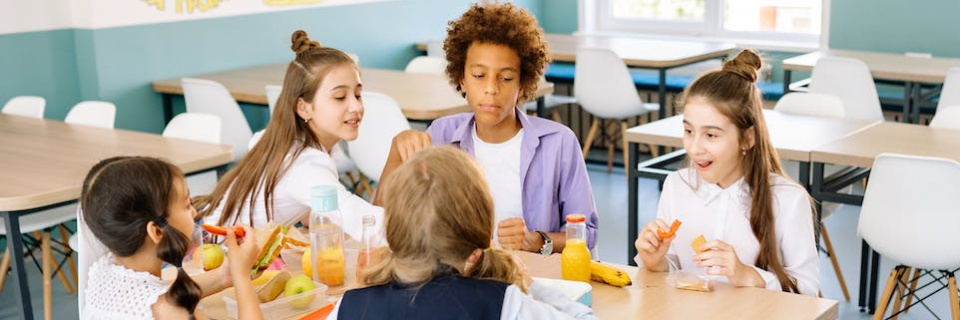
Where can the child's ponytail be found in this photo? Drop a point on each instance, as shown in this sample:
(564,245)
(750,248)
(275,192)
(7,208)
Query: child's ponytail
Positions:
(496,264)
(171,249)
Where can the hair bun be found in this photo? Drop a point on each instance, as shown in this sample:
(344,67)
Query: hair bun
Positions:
(301,42)
(745,64)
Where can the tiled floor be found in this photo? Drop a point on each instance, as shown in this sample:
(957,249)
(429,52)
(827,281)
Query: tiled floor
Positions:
(611,198)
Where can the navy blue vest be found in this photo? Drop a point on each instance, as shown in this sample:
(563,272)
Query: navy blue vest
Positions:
(446,297)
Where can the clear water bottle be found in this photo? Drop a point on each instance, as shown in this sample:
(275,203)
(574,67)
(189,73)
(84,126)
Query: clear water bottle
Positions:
(367,244)
(326,236)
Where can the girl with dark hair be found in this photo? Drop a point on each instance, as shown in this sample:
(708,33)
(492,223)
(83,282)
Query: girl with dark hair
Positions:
(759,224)
(140,209)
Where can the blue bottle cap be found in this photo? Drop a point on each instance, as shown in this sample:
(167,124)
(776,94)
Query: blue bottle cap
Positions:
(323,198)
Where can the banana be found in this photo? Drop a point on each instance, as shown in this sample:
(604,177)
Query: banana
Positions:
(606,274)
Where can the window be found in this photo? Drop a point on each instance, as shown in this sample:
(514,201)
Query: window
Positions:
(793,21)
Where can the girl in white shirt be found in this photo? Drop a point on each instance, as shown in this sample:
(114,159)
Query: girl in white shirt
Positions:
(439,264)
(320,104)
(758,224)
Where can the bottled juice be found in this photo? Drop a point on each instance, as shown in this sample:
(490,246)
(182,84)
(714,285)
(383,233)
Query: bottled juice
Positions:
(326,237)
(331,267)
(575,259)
(367,243)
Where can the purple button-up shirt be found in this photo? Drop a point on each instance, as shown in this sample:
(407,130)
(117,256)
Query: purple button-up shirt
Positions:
(553,176)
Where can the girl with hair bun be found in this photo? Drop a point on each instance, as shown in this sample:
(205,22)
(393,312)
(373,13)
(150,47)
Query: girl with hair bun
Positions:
(759,224)
(319,105)
(140,209)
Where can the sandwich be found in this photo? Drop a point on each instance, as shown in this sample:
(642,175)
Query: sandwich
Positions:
(272,239)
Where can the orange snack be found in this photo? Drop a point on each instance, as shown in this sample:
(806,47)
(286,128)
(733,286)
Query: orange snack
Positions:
(699,241)
(673,230)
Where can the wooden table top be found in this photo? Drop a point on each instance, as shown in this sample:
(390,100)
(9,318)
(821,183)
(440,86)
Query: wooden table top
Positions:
(887,66)
(794,136)
(420,96)
(43,162)
(636,52)
(862,148)
(651,298)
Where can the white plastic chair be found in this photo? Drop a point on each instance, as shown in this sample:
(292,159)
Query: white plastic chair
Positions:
(435,49)
(946,117)
(93,113)
(27,106)
(427,65)
(198,127)
(950,92)
(382,120)
(273,93)
(605,89)
(811,104)
(850,80)
(910,214)
(210,97)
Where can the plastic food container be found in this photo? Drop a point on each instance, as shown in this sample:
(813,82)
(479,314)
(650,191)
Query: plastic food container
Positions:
(285,307)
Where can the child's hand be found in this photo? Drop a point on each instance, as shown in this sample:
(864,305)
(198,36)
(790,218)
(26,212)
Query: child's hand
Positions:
(720,258)
(651,248)
(241,252)
(410,141)
(511,233)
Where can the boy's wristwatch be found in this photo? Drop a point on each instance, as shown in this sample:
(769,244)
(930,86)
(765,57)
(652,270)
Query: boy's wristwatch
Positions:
(547,247)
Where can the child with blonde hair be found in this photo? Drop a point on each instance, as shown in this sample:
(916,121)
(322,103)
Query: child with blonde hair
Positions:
(439,264)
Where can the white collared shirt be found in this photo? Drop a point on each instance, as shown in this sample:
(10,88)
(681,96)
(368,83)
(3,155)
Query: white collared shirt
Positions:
(724,214)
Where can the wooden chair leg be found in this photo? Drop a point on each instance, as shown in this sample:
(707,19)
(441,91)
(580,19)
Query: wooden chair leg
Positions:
(901,287)
(609,156)
(353,182)
(47,277)
(954,301)
(60,274)
(366,184)
(556,116)
(833,260)
(913,286)
(4,266)
(588,142)
(65,236)
(887,292)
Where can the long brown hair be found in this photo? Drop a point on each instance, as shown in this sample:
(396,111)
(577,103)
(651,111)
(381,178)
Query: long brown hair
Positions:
(120,196)
(733,92)
(267,162)
(438,211)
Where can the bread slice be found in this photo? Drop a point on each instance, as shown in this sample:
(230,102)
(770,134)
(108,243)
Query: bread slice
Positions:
(295,238)
(270,240)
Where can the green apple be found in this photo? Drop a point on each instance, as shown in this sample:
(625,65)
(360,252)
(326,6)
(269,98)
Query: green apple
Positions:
(300,284)
(212,256)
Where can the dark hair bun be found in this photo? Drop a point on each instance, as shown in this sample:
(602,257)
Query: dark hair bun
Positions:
(301,42)
(745,64)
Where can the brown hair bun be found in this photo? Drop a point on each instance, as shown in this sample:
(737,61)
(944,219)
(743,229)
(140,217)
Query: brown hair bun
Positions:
(745,64)
(301,42)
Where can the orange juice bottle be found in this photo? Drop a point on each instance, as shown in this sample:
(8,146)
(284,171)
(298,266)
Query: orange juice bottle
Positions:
(367,243)
(326,236)
(575,259)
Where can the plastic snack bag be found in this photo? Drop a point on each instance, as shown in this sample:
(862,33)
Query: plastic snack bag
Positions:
(687,281)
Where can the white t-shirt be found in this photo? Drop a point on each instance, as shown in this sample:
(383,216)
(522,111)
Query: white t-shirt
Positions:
(724,214)
(500,163)
(291,196)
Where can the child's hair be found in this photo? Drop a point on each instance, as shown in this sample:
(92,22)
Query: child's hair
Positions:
(120,196)
(267,162)
(438,211)
(503,24)
(733,92)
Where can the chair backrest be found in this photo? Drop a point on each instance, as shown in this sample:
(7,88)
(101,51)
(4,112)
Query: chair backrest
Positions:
(273,93)
(947,116)
(603,85)
(950,93)
(911,210)
(428,65)
(382,120)
(26,106)
(93,113)
(210,97)
(435,49)
(849,80)
(194,126)
(811,104)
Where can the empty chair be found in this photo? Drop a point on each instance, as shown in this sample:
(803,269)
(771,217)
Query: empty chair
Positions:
(273,93)
(849,80)
(93,113)
(427,65)
(950,92)
(435,49)
(910,214)
(382,120)
(26,106)
(210,97)
(198,127)
(811,104)
(947,117)
(605,89)
(550,103)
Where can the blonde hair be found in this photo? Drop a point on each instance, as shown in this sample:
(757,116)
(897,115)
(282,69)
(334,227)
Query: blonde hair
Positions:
(265,164)
(733,92)
(438,211)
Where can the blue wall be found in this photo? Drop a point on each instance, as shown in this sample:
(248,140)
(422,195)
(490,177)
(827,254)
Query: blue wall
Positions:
(119,64)
(896,26)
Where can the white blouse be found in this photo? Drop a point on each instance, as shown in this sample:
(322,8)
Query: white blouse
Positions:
(115,292)
(291,196)
(543,302)
(724,214)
